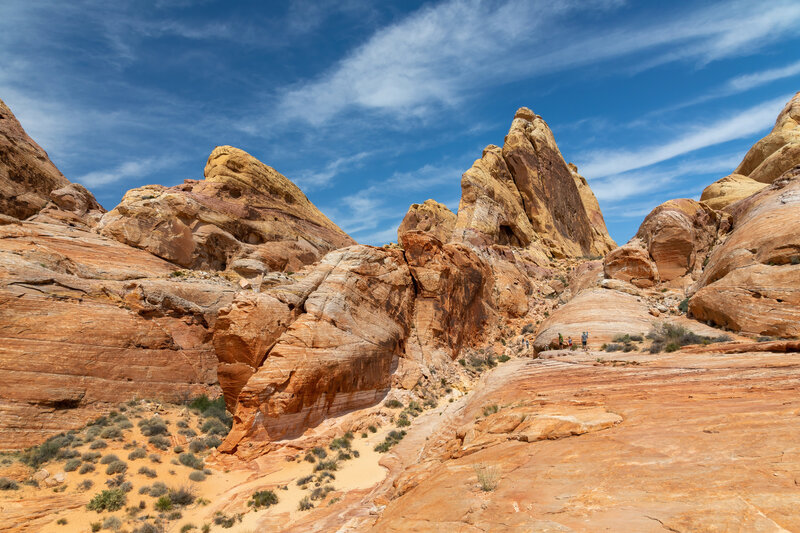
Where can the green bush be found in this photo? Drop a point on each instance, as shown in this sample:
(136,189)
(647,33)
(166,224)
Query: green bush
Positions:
(403,422)
(262,498)
(490,409)
(191,460)
(48,450)
(107,500)
(197,475)
(319,452)
(214,426)
(683,307)
(326,465)
(181,495)
(72,465)
(138,453)
(162,443)
(8,484)
(391,439)
(153,426)
(147,472)
(393,404)
(305,504)
(111,433)
(303,480)
(163,504)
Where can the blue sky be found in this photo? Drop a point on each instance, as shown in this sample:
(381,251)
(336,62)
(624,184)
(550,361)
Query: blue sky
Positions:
(372,106)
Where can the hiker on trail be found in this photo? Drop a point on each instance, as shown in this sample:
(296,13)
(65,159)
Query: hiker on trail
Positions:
(584,339)
(569,341)
(560,341)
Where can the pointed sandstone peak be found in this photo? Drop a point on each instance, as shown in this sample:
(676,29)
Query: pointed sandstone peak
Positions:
(244,216)
(525,195)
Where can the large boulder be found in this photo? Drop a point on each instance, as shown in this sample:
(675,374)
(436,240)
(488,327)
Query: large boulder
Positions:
(524,195)
(752,280)
(244,214)
(430,217)
(671,244)
(336,356)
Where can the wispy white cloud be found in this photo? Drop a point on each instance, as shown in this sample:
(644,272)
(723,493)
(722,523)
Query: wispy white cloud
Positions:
(620,187)
(756,79)
(125,171)
(311,179)
(426,61)
(743,123)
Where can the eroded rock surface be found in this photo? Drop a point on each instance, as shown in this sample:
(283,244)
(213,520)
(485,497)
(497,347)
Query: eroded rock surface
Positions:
(752,280)
(244,216)
(430,217)
(87,322)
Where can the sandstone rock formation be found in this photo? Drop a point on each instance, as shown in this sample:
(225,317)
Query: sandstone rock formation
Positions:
(30,182)
(431,217)
(672,243)
(729,190)
(244,216)
(779,151)
(752,280)
(524,195)
(87,322)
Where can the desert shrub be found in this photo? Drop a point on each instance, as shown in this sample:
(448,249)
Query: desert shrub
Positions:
(213,409)
(8,484)
(98,445)
(126,486)
(49,449)
(197,475)
(320,492)
(637,338)
(158,489)
(66,453)
(138,453)
(393,404)
(86,468)
(107,500)
(305,504)
(402,422)
(96,526)
(490,409)
(187,432)
(116,481)
(154,458)
(175,515)
(187,527)
(303,480)
(147,472)
(391,439)
(613,347)
(91,457)
(85,485)
(102,421)
(61,521)
(670,337)
(197,445)
(319,452)
(108,459)
(112,522)
(628,347)
(148,528)
(309,457)
(488,476)
(344,455)
(124,424)
(528,328)
(683,307)
(178,449)
(672,347)
(262,498)
(214,426)
(153,426)
(163,504)
(181,495)
(372,429)
(72,465)
(191,460)
(212,441)
(224,520)
(326,465)
(322,476)
(160,442)
(503,358)
(111,433)
(339,443)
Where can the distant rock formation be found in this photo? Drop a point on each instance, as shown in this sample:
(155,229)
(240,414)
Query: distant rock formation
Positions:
(524,195)
(431,217)
(30,183)
(244,216)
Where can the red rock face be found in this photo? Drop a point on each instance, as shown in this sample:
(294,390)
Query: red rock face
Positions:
(86,323)
(244,216)
(752,281)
